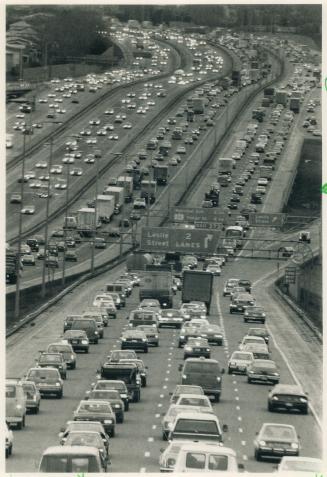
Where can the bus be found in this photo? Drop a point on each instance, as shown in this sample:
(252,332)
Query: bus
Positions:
(237,233)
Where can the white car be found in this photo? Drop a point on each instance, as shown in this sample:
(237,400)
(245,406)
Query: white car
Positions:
(262,181)
(205,456)
(28,210)
(139,203)
(302,465)
(239,361)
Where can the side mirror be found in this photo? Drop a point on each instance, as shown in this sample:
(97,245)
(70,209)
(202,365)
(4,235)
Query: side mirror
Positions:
(241,466)
(180,367)
(223,371)
(225,427)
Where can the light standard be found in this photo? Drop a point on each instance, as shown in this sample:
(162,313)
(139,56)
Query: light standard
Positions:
(95,213)
(65,228)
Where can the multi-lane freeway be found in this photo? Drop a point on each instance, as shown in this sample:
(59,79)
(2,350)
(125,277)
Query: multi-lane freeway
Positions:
(227,128)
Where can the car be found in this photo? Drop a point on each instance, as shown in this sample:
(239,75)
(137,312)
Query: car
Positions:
(288,397)
(90,439)
(111,396)
(214,269)
(212,333)
(47,380)
(72,426)
(28,260)
(28,210)
(169,455)
(254,313)
(51,262)
(139,203)
(276,440)
(196,347)
(259,332)
(304,236)
(70,256)
(120,386)
(151,334)
(53,360)
(247,339)
(33,396)
(300,465)
(240,301)
(67,351)
(9,441)
(78,339)
(229,286)
(190,425)
(185,389)
(171,317)
(286,252)
(190,311)
(64,459)
(264,371)
(239,361)
(96,410)
(203,372)
(201,402)
(134,339)
(181,150)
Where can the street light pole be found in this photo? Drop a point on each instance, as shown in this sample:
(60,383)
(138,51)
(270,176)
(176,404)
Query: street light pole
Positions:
(95,216)
(20,225)
(46,221)
(65,228)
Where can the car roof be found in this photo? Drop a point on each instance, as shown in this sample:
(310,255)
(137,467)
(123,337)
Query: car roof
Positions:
(203,416)
(196,396)
(277,424)
(208,447)
(288,389)
(199,360)
(71,450)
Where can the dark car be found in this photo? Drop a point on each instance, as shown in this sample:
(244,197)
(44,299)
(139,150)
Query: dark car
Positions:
(67,352)
(288,397)
(112,397)
(47,380)
(196,347)
(134,339)
(127,372)
(276,440)
(245,284)
(78,339)
(89,326)
(254,313)
(263,371)
(120,386)
(33,244)
(69,320)
(256,198)
(203,372)
(92,410)
(213,334)
(142,369)
(53,360)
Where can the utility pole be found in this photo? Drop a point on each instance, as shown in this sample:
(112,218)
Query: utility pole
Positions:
(47,221)
(65,228)
(95,216)
(20,225)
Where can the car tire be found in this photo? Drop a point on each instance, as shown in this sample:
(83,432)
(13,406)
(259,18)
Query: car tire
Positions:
(270,408)
(230,371)
(20,425)
(73,366)
(60,394)
(263,322)
(164,436)
(137,396)
(145,350)
(231,312)
(144,383)
(64,376)
(249,380)
(305,411)
(246,320)
(86,351)
(112,433)
(120,420)
(217,398)
(7,453)
(126,406)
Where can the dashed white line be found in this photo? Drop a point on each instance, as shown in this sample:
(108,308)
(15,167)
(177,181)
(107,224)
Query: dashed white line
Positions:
(142,470)
(157,416)
(240,430)
(159,405)
(169,365)
(234,382)
(239,418)
(154,426)
(150,439)
(237,398)
(168,371)
(164,387)
(238,408)
(166,379)
(243,443)
(147,454)
(245,457)
(236,390)
(162,396)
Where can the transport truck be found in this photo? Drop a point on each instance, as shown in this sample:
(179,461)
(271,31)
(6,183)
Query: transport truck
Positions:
(157,285)
(281,97)
(295,105)
(269,92)
(254,74)
(197,286)
(266,172)
(105,207)
(197,105)
(161,174)
(87,221)
(148,190)
(225,166)
(117,192)
(127,183)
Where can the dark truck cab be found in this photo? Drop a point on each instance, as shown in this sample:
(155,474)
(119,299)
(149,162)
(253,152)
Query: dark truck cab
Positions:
(127,372)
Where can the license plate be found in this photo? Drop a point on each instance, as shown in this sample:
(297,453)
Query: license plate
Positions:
(134,341)
(197,349)
(278,449)
(74,341)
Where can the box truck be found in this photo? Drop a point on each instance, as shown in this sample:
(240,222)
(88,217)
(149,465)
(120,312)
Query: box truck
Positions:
(105,207)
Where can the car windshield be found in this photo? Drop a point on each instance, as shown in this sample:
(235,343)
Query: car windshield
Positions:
(195,426)
(112,385)
(170,313)
(94,407)
(245,356)
(66,463)
(278,432)
(255,309)
(75,334)
(144,316)
(202,368)
(43,373)
(84,439)
(10,391)
(191,401)
(186,389)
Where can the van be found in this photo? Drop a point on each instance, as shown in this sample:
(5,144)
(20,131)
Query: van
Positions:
(89,326)
(204,457)
(15,403)
(70,459)
(190,425)
(143,317)
(203,372)
(117,288)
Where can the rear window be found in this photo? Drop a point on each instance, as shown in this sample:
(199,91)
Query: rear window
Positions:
(203,368)
(195,426)
(83,324)
(218,462)
(10,391)
(62,463)
(194,460)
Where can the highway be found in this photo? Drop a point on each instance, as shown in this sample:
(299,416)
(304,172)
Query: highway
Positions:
(243,407)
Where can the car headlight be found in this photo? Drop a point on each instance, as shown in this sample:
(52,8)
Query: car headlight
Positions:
(95,332)
(123,339)
(170,425)
(251,372)
(246,314)
(71,356)
(302,399)
(218,336)
(233,363)
(262,443)
(156,336)
(84,342)
(107,421)
(124,395)
(208,349)
(188,348)
(275,374)
(295,445)
(218,379)
(144,339)
(57,384)
(182,337)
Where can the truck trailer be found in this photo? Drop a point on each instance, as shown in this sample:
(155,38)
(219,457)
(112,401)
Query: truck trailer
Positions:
(157,285)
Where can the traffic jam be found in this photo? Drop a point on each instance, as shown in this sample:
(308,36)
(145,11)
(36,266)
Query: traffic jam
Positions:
(166,363)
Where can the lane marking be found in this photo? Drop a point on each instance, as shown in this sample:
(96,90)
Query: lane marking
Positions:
(154,426)
(142,470)
(159,405)
(243,443)
(239,418)
(166,379)
(161,396)
(237,398)
(238,408)
(168,371)
(169,365)
(245,457)
(236,390)
(164,387)
(147,454)
(157,416)
(150,439)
